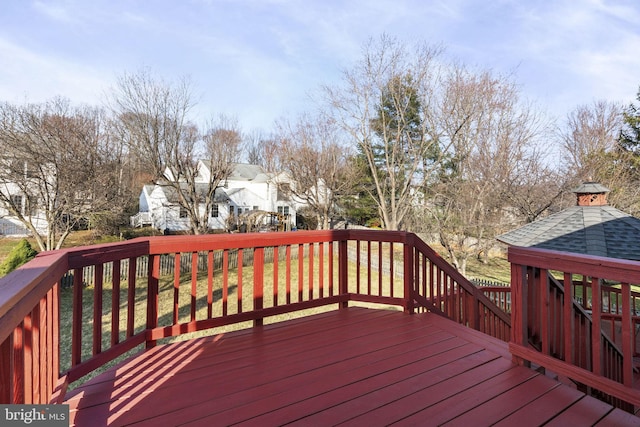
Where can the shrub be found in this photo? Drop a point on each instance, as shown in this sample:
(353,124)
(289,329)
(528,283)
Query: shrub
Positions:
(20,254)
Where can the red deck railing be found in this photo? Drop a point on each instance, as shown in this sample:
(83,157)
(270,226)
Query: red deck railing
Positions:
(126,296)
(571,341)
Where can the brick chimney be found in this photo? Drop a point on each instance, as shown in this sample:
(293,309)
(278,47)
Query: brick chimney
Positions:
(591,194)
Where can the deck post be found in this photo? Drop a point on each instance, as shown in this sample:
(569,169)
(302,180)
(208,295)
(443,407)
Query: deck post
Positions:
(342,271)
(408,279)
(519,313)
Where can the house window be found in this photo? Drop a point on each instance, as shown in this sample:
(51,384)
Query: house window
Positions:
(183,212)
(255,208)
(16,201)
(284,191)
(32,205)
(215,211)
(284,210)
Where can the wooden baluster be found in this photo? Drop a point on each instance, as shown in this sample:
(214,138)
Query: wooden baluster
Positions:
(210,267)
(131,296)
(194,284)
(331,272)
(343,271)
(321,269)
(225,282)
(239,275)
(6,370)
(408,277)
(628,336)
(98,277)
(276,282)
(153,281)
(380,270)
(76,328)
(258,282)
(288,273)
(545,312)
(300,272)
(177,257)
(115,303)
(310,272)
(569,319)
(368,267)
(596,329)
(18,365)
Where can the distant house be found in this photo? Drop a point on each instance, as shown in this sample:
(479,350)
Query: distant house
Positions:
(10,225)
(249,188)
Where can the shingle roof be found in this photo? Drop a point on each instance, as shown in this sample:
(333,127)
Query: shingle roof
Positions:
(591,187)
(592,230)
(219,196)
(244,171)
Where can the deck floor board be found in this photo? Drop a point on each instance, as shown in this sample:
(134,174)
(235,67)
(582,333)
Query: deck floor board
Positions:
(356,367)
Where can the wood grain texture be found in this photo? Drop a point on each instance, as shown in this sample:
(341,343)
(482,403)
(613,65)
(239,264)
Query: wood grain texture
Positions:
(353,366)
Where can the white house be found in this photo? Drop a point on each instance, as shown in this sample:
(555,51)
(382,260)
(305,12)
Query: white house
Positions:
(10,225)
(248,189)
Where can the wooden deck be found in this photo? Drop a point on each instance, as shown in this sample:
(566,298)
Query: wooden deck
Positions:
(360,367)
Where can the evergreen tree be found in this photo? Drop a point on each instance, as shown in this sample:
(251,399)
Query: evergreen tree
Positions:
(20,254)
(630,135)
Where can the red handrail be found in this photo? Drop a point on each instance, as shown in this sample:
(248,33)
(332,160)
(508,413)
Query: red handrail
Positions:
(567,346)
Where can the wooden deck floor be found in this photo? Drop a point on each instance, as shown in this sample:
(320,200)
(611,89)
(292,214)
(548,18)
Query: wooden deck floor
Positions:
(358,367)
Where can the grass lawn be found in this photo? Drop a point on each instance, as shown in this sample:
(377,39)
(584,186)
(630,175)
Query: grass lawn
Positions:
(496,269)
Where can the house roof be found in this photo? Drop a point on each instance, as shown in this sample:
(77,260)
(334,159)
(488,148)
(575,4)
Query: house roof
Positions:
(591,188)
(172,195)
(591,230)
(247,172)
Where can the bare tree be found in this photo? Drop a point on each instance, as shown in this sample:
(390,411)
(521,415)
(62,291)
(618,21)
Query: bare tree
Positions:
(262,150)
(590,130)
(490,136)
(591,139)
(383,105)
(442,142)
(154,122)
(53,169)
(313,158)
(153,119)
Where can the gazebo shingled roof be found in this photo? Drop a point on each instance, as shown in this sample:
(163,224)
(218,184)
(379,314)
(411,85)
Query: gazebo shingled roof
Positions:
(592,227)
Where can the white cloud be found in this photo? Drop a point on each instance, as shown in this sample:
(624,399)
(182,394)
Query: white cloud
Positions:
(27,75)
(55,12)
(260,58)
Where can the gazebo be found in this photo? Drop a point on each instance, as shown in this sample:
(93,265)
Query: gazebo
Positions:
(592,227)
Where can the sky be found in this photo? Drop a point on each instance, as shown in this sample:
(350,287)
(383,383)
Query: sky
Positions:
(261,60)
